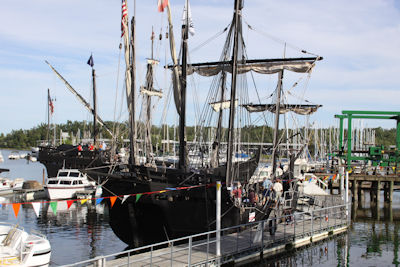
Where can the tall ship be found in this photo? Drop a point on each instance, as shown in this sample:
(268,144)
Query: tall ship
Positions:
(81,156)
(169,201)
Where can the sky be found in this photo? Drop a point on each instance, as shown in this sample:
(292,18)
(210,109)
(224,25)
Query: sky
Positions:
(359,41)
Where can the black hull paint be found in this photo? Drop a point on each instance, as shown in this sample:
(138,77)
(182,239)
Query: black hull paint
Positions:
(160,216)
(68,156)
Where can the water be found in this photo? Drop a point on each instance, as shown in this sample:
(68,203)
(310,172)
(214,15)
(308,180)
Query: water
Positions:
(83,232)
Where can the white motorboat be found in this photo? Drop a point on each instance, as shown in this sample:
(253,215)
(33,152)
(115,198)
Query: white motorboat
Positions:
(19,248)
(67,183)
(5,186)
(17,184)
(14,155)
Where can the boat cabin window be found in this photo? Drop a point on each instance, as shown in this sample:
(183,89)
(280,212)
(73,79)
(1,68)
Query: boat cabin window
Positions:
(63,174)
(52,182)
(80,182)
(65,182)
(75,182)
(74,174)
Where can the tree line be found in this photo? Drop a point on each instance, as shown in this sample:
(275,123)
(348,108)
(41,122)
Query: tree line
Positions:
(25,139)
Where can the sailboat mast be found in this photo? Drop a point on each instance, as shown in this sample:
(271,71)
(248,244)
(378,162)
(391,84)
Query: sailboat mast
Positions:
(231,134)
(276,129)
(48,116)
(182,118)
(133,90)
(94,107)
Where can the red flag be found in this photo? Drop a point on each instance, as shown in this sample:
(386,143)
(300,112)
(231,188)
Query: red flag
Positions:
(16,207)
(112,200)
(69,203)
(51,106)
(124,19)
(162,4)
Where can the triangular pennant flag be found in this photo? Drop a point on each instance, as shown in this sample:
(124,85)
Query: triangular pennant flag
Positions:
(170,188)
(36,207)
(53,206)
(125,198)
(69,203)
(1,205)
(98,200)
(162,191)
(16,207)
(218,187)
(138,197)
(112,200)
(83,201)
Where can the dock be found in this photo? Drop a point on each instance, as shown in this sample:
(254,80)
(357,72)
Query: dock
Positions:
(239,245)
(359,183)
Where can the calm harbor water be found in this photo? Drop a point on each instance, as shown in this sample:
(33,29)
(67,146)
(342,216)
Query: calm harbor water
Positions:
(82,231)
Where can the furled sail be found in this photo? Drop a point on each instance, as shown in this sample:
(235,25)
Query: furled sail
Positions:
(262,66)
(298,109)
(217,106)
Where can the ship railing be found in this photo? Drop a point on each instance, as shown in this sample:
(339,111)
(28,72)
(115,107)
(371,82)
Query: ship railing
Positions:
(237,241)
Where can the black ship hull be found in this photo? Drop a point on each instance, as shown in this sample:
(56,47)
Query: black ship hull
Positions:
(155,217)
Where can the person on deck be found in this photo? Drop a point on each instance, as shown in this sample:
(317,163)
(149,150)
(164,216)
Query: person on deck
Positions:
(278,189)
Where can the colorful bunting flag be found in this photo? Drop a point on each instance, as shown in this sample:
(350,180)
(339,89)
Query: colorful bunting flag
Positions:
(112,200)
(98,200)
(69,203)
(16,207)
(125,198)
(83,201)
(36,207)
(53,206)
(138,197)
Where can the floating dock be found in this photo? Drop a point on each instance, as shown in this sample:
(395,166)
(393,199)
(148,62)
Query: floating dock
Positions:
(239,244)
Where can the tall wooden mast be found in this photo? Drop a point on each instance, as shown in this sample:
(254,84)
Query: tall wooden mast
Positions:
(231,133)
(182,118)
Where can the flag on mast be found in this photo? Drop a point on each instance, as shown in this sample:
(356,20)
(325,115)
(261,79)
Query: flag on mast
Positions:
(162,4)
(184,18)
(90,61)
(124,18)
(51,106)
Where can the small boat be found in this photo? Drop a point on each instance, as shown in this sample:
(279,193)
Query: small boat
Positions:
(1,157)
(5,186)
(19,248)
(67,183)
(14,155)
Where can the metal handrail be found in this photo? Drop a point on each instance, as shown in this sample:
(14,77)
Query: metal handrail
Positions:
(298,218)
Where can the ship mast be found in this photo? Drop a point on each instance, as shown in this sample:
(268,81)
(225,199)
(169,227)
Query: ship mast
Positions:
(94,107)
(231,134)
(48,115)
(276,128)
(182,118)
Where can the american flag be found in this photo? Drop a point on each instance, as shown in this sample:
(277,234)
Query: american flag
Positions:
(162,4)
(124,19)
(51,106)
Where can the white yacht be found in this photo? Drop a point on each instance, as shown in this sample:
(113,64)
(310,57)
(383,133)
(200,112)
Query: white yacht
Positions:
(67,183)
(14,155)
(19,248)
